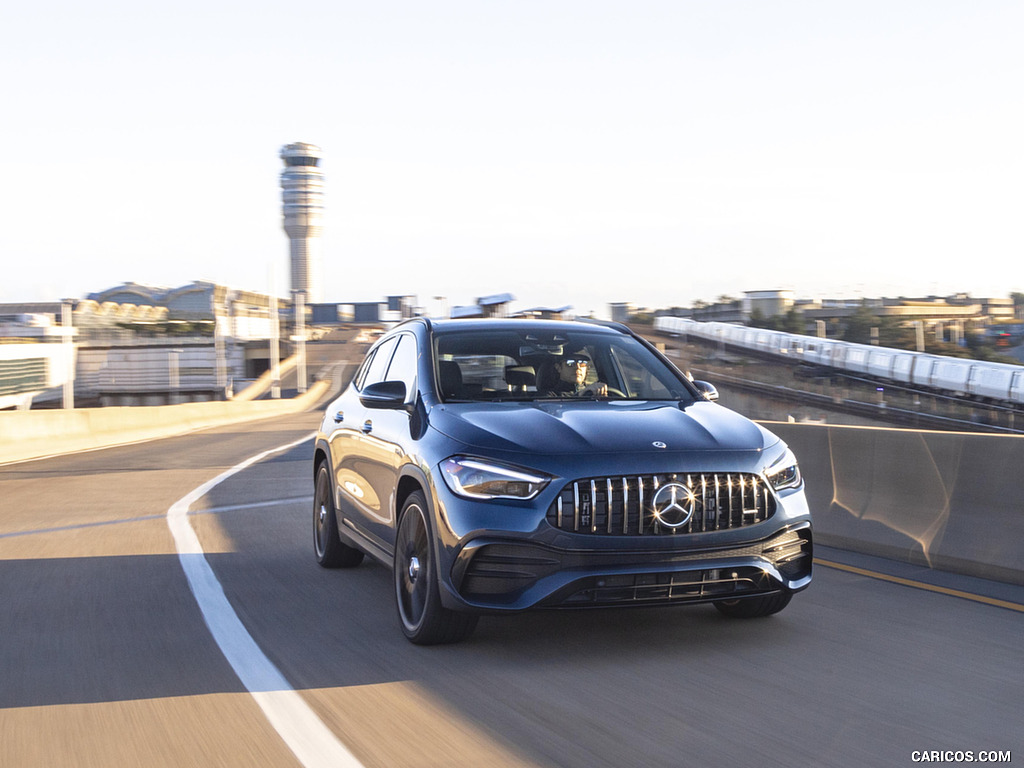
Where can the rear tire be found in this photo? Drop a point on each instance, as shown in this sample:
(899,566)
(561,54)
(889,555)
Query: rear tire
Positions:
(423,619)
(330,550)
(754,607)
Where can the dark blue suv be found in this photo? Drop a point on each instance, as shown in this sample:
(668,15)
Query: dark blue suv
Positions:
(501,465)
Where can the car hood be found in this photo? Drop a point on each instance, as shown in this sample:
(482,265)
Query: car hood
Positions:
(598,426)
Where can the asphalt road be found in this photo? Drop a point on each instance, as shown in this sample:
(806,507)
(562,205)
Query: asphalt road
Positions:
(106,659)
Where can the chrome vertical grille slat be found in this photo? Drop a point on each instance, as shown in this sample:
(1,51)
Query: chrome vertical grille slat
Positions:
(625,506)
(608,506)
(576,506)
(654,489)
(605,506)
(640,508)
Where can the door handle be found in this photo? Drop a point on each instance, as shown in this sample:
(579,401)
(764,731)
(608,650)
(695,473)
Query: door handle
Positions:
(368,426)
(339,417)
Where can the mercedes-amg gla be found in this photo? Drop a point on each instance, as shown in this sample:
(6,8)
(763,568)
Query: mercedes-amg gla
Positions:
(504,465)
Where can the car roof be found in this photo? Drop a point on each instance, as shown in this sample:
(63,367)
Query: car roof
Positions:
(518,324)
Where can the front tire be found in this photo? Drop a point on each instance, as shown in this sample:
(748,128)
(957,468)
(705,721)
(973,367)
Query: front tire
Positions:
(330,550)
(423,619)
(754,607)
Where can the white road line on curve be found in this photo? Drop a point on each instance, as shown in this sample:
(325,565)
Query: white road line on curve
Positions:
(162,515)
(312,742)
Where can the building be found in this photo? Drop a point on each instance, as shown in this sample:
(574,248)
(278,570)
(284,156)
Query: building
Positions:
(236,314)
(302,185)
(767,303)
(622,311)
(142,344)
(546,313)
(495,305)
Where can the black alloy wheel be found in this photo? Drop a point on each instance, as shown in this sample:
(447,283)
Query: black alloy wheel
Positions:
(424,620)
(330,550)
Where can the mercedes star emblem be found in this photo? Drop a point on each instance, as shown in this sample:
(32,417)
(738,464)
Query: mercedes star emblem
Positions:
(673,505)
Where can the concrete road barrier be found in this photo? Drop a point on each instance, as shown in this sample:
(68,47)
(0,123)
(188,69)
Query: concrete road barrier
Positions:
(947,500)
(34,434)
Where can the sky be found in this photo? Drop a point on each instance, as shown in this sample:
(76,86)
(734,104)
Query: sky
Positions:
(573,152)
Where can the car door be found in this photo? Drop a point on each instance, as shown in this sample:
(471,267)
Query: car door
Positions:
(382,444)
(355,456)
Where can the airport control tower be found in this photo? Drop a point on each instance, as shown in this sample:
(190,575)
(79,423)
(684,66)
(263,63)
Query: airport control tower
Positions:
(302,183)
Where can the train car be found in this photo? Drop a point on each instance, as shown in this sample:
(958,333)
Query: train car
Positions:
(746,338)
(819,351)
(903,364)
(734,334)
(1017,387)
(951,374)
(794,344)
(992,381)
(856,359)
(880,362)
(921,376)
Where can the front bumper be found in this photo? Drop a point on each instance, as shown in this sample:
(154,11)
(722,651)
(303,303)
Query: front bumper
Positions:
(512,556)
(494,574)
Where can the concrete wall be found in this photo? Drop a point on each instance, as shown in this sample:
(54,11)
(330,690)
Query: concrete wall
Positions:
(33,434)
(951,501)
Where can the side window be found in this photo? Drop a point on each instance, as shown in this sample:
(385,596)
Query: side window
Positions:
(403,365)
(379,364)
(360,377)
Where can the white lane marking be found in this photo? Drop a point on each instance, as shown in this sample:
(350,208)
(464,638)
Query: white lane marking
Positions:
(144,518)
(313,743)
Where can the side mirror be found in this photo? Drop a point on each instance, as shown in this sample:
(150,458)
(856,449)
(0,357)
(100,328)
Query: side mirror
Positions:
(384,394)
(707,389)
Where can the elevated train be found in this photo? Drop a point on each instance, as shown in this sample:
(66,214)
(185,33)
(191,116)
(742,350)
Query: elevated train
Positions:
(953,376)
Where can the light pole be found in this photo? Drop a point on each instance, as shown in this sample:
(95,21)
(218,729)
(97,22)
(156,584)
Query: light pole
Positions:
(67,330)
(173,374)
(299,304)
(275,349)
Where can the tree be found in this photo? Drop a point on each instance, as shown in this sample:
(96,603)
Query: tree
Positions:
(857,328)
(757,319)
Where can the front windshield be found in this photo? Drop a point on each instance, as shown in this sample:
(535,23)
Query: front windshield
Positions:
(488,365)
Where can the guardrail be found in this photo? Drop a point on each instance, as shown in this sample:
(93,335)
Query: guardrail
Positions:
(945,500)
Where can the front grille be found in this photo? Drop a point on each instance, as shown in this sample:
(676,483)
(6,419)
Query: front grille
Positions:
(685,586)
(625,506)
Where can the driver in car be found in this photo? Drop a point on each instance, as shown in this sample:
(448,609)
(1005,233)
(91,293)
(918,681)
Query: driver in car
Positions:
(572,372)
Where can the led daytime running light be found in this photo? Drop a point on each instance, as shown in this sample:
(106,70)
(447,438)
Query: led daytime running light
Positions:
(477,479)
(785,473)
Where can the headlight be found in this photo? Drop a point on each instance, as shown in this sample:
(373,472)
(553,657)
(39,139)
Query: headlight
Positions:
(785,472)
(478,479)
